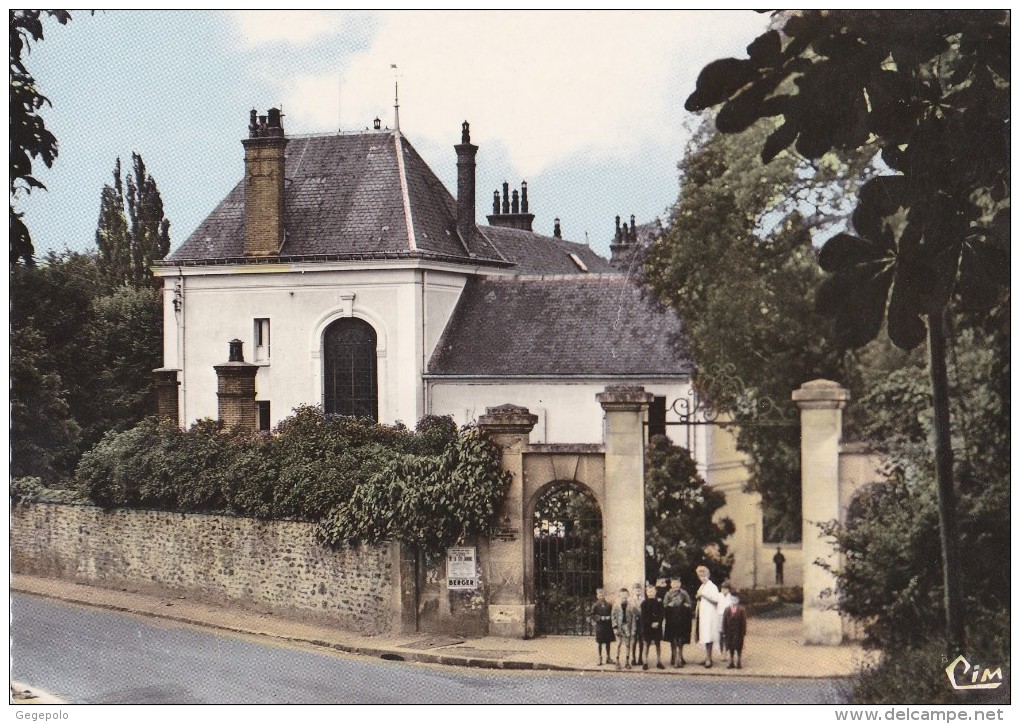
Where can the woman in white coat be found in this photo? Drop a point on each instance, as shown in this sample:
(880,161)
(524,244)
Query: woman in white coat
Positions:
(709,623)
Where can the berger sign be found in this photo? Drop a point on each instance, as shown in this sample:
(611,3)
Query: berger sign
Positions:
(461,568)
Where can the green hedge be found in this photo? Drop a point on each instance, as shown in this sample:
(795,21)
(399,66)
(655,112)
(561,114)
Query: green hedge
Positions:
(361,481)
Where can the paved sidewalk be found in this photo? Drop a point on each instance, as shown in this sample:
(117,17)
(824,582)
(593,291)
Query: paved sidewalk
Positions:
(772,648)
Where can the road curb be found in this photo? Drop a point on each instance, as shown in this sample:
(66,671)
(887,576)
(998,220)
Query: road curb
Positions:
(386,653)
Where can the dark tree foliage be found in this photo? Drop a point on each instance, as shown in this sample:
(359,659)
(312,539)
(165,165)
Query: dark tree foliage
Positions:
(738,265)
(890,577)
(132,231)
(931,88)
(30,139)
(44,436)
(82,354)
(680,524)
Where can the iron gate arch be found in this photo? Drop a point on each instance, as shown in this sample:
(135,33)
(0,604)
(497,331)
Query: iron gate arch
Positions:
(567,529)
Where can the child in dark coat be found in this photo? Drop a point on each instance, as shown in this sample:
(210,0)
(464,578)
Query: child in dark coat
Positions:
(602,617)
(652,614)
(678,607)
(734,628)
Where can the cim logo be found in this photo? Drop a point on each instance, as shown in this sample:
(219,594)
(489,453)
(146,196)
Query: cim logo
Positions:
(973,677)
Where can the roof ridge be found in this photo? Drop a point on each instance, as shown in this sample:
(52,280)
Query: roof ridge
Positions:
(404,195)
(590,277)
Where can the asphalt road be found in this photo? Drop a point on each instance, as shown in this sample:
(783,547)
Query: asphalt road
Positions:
(95,656)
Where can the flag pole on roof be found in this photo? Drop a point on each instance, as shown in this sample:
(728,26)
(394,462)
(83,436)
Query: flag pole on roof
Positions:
(396,97)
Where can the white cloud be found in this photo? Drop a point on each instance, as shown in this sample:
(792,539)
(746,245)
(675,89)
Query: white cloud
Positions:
(263,27)
(550,85)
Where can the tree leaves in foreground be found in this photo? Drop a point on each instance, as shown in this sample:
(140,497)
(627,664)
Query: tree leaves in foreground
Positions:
(890,577)
(931,88)
(30,139)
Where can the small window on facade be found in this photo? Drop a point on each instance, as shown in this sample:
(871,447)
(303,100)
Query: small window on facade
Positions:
(657,417)
(261,340)
(264,421)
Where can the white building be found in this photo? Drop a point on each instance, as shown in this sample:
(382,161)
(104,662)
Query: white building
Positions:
(356,281)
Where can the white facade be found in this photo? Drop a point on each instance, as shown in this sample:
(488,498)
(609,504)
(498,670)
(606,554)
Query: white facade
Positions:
(406,304)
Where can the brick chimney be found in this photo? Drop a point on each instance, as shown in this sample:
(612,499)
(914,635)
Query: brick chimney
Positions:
(167,384)
(514,211)
(264,166)
(623,244)
(465,183)
(235,390)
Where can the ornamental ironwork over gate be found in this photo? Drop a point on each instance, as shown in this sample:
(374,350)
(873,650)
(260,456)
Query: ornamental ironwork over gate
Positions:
(568,560)
(748,407)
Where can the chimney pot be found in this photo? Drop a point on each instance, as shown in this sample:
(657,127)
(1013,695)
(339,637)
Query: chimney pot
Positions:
(506,198)
(465,132)
(253,124)
(495,202)
(236,351)
(617,228)
(524,197)
(377,124)
(515,204)
(556,229)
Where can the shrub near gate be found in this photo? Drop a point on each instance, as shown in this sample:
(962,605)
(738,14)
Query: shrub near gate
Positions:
(362,481)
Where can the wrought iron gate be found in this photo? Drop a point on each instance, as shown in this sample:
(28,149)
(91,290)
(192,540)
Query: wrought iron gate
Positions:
(568,560)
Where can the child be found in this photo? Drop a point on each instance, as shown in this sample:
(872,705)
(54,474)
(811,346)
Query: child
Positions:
(725,589)
(734,628)
(636,646)
(602,616)
(625,617)
(677,604)
(651,625)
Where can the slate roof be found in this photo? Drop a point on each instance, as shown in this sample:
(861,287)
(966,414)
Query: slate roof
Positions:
(538,254)
(583,325)
(346,199)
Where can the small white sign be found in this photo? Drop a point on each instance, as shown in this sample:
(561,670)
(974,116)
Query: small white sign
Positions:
(461,568)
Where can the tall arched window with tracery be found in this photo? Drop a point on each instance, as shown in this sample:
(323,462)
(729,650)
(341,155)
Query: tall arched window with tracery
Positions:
(350,379)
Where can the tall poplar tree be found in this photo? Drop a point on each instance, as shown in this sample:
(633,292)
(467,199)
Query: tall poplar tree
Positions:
(132,232)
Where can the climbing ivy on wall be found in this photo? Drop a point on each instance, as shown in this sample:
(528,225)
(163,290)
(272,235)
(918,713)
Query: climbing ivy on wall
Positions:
(362,482)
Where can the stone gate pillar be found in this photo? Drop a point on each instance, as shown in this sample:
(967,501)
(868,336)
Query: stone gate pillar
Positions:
(509,572)
(821,425)
(623,520)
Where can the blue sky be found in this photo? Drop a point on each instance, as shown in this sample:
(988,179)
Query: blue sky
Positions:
(586,106)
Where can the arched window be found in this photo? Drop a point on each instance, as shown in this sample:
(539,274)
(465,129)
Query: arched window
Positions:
(350,385)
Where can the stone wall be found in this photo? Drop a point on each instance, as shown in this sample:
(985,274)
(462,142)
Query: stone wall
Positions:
(266,564)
